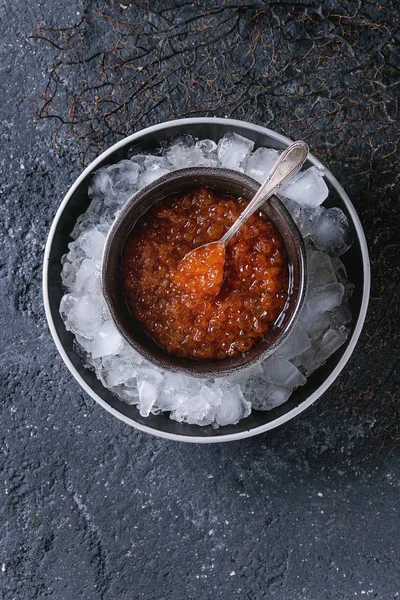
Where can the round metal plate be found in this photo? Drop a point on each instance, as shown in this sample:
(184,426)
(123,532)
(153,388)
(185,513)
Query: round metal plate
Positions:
(76,202)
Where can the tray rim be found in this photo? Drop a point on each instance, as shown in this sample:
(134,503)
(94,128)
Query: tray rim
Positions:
(331,377)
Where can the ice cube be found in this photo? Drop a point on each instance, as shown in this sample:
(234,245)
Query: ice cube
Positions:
(173,382)
(341,318)
(102,220)
(207,147)
(151,168)
(176,388)
(321,350)
(341,275)
(308,188)
(148,160)
(199,409)
(84,343)
(107,340)
(325,297)
(118,369)
(181,156)
(308,361)
(148,393)
(151,174)
(303,216)
(331,341)
(280,371)
(186,140)
(76,254)
(168,402)
(267,396)
(320,268)
(68,273)
(297,342)
(260,163)
(101,186)
(149,381)
(81,313)
(123,177)
(233,149)
(87,277)
(115,184)
(129,395)
(233,407)
(243,376)
(105,224)
(92,243)
(313,322)
(331,232)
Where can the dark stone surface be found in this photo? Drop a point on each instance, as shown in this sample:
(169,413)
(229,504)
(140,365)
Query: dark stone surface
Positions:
(93,509)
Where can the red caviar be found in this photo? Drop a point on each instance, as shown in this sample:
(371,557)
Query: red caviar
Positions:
(215,303)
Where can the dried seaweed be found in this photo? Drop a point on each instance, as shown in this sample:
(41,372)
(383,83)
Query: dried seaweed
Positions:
(327,72)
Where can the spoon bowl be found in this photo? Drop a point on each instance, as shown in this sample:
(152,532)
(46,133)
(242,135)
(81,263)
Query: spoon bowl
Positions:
(201,270)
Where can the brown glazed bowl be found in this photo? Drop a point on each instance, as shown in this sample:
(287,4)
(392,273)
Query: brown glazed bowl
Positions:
(223,181)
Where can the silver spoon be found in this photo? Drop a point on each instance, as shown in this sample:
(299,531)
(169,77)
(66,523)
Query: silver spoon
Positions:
(287,165)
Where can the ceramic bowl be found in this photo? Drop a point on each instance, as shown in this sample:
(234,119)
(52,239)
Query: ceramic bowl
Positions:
(224,182)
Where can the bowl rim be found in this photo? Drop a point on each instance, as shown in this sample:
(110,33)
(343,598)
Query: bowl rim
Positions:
(176,177)
(331,377)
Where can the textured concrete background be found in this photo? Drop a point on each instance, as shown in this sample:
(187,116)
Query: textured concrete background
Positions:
(93,509)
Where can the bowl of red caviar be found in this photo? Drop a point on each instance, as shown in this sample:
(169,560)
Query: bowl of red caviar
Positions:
(202,317)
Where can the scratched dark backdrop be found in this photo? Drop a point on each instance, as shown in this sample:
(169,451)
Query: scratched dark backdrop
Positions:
(93,509)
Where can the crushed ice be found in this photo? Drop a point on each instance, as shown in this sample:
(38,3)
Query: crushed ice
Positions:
(324,323)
